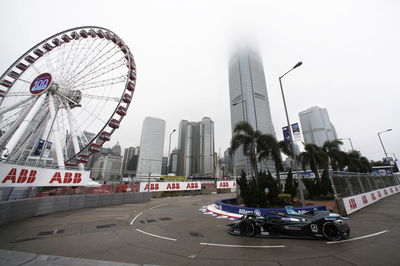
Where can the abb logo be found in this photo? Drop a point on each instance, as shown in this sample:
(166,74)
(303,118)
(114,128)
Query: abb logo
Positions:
(385,191)
(364,199)
(192,185)
(379,194)
(352,203)
(173,186)
(391,190)
(67,178)
(23,176)
(224,184)
(396,189)
(152,187)
(373,196)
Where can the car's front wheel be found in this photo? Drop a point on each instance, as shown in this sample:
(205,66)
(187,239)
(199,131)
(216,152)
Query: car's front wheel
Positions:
(331,231)
(247,228)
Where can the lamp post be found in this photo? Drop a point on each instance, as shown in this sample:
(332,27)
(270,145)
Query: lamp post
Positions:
(290,133)
(380,139)
(169,150)
(351,144)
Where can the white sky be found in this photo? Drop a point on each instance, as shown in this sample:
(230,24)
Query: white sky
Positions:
(350,52)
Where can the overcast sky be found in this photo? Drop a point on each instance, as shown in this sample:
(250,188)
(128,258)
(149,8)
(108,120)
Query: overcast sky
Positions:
(350,52)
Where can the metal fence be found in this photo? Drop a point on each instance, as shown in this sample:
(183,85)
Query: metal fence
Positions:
(350,184)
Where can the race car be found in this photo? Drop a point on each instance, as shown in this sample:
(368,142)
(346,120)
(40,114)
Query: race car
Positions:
(292,224)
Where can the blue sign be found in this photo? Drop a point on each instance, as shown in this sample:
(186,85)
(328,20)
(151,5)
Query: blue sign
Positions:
(286,134)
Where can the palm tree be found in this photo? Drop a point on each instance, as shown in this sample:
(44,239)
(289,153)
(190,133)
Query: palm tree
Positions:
(336,157)
(245,135)
(255,145)
(358,163)
(314,157)
(269,148)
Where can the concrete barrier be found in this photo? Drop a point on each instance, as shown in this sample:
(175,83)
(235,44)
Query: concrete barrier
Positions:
(25,208)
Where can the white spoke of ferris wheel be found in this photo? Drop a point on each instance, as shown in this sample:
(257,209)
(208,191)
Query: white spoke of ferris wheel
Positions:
(23,125)
(99,97)
(56,135)
(101,83)
(17,104)
(73,127)
(91,113)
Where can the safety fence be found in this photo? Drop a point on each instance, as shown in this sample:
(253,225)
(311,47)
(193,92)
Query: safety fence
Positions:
(354,191)
(15,193)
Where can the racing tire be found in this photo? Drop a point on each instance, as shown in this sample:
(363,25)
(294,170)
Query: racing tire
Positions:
(247,228)
(331,232)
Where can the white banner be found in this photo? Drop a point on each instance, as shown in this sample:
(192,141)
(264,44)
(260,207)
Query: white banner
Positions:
(169,186)
(226,184)
(355,203)
(12,175)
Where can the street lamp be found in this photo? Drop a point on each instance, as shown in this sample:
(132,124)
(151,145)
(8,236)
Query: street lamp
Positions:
(351,144)
(290,132)
(379,136)
(169,150)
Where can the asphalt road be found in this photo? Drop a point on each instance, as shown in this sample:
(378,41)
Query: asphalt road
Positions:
(172,231)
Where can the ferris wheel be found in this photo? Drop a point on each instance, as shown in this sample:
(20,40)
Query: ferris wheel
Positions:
(65,97)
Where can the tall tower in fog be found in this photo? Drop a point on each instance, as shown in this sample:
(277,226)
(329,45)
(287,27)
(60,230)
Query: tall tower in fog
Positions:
(249,100)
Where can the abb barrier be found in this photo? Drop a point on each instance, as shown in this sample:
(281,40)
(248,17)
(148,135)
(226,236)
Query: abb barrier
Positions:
(24,176)
(169,186)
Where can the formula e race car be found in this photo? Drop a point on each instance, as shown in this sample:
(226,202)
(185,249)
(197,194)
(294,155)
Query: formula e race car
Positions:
(309,225)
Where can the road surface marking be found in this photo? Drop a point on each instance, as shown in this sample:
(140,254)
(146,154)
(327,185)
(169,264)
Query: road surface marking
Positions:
(136,217)
(158,206)
(357,238)
(239,246)
(162,237)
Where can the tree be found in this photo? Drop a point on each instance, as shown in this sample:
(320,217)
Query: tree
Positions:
(290,185)
(269,148)
(255,144)
(335,155)
(358,163)
(314,157)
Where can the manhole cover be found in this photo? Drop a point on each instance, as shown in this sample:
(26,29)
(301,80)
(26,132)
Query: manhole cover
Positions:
(165,219)
(54,232)
(25,239)
(196,234)
(104,226)
(148,221)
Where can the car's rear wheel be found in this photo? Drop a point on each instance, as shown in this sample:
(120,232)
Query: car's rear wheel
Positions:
(331,232)
(247,228)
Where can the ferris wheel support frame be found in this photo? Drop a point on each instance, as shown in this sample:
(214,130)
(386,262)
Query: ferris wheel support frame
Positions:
(5,110)
(73,132)
(56,136)
(24,125)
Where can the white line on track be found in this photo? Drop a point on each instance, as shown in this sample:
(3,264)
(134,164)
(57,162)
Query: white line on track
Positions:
(136,217)
(162,237)
(357,238)
(158,206)
(186,201)
(239,246)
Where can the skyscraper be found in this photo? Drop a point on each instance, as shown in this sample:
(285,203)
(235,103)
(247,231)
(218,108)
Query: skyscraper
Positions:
(129,163)
(316,126)
(151,148)
(249,100)
(196,148)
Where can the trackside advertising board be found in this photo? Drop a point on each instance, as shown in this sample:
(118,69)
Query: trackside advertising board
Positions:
(24,176)
(226,184)
(355,203)
(169,186)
